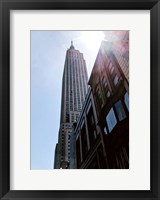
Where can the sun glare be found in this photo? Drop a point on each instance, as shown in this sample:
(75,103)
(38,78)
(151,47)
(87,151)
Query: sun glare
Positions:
(92,39)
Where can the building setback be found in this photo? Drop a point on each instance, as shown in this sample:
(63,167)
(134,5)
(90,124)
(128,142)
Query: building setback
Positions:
(74,90)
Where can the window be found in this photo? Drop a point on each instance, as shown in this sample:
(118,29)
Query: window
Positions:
(112,70)
(115,81)
(110,66)
(126,99)
(108,94)
(95,134)
(105,87)
(84,141)
(92,120)
(99,99)
(105,130)
(91,127)
(111,120)
(104,82)
(120,111)
(67,117)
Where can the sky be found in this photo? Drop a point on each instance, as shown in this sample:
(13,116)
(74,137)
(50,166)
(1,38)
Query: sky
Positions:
(48,50)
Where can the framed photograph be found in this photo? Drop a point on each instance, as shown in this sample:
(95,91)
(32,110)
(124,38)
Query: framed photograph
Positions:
(80,95)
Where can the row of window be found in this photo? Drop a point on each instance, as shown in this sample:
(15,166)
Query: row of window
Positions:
(115,80)
(90,127)
(66,125)
(114,75)
(116,113)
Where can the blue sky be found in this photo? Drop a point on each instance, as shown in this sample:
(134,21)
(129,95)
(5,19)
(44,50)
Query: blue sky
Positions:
(48,49)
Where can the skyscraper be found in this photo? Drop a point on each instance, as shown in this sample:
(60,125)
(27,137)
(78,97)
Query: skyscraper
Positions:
(74,90)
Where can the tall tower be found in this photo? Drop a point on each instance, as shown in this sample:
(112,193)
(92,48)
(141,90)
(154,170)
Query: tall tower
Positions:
(74,90)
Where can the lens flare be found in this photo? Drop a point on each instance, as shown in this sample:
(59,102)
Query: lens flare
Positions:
(92,39)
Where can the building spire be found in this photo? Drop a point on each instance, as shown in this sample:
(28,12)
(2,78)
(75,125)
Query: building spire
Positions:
(71,47)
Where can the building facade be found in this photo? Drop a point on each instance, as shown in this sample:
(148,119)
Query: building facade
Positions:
(100,138)
(74,90)
(120,47)
(110,88)
(87,144)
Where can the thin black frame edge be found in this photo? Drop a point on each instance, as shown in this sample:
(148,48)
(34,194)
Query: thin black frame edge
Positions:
(155,87)
(4,105)
(1,97)
(5,7)
(80,4)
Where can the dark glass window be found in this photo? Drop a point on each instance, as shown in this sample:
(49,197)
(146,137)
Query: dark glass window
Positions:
(120,111)
(104,81)
(108,94)
(99,99)
(111,120)
(105,87)
(67,117)
(126,99)
(91,127)
(105,130)
(84,142)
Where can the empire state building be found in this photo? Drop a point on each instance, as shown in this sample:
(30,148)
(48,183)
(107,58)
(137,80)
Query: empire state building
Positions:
(74,90)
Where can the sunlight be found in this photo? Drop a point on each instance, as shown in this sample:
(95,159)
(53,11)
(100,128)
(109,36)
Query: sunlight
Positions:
(92,39)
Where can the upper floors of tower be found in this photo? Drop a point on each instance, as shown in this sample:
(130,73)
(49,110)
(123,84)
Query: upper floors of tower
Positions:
(73,53)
